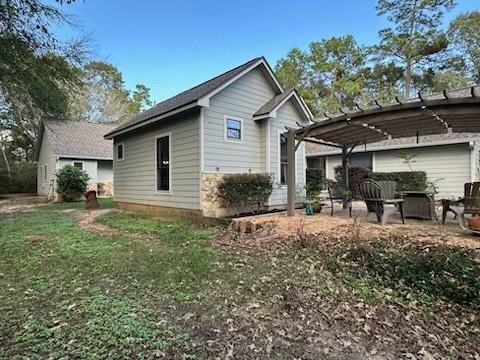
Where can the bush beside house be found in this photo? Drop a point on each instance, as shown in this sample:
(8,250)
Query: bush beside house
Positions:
(71,182)
(356,174)
(22,178)
(406,180)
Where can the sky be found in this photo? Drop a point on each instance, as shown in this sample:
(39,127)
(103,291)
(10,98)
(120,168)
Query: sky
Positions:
(173,45)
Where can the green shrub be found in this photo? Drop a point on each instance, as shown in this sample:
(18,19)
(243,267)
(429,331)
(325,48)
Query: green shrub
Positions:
(22,178)
(245,189)
(314,182)
(356,174)
(406,180)
(72,182)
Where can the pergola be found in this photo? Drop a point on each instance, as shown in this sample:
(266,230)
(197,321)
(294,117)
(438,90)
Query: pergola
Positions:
(450,111)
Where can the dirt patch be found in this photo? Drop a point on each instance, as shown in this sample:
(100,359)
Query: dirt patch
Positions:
(86,221)
(11,210)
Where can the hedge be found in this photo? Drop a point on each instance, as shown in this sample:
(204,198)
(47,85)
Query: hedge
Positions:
(245,189)
(314,182)
(356,174)
(72,182)
(406,180)
(22,178)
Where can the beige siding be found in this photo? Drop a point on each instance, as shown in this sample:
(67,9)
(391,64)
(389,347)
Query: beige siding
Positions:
(332,162)
(241,100)
(105,171)
(89,166)
(451,163)
(45,158)
(134,177)
(287,115)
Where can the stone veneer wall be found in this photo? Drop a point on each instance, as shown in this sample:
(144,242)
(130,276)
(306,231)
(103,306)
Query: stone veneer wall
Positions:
(103,189)
(212,204)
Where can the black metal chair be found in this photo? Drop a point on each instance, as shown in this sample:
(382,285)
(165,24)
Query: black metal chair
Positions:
(377,194)
(337,191)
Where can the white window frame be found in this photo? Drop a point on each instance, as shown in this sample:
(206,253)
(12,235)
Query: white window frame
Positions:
(169,191)
(226,138)
(79,161)
(122,144)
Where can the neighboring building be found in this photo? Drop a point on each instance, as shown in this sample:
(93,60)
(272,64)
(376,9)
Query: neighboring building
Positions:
(171,157)
(76,143)
(449,160)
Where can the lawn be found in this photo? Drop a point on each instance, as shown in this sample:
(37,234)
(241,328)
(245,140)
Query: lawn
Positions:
(147,288)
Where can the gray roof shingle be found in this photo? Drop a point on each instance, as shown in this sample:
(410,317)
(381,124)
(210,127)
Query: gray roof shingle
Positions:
(186,97)
(78,138)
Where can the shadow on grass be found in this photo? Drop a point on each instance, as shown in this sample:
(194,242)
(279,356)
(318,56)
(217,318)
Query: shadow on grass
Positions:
(451,274)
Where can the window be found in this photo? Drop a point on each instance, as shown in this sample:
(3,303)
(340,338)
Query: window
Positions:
(233,128)
(163,163)
(45,172)
(283,160)
(78,164)
(363,159)
(120,152)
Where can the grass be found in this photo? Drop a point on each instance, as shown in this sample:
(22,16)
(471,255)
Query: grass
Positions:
(105,203)
(66,292)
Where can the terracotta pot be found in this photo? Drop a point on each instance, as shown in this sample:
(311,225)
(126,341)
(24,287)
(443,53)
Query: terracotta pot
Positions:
(474,222)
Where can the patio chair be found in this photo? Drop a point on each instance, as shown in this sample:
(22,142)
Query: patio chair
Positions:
(336,191)
(471,203)
(378,194)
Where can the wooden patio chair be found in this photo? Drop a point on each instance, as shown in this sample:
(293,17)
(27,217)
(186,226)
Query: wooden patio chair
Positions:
(336,191)
(471,203)
(378,194)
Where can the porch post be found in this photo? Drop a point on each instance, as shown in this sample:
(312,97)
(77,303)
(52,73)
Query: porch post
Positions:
(290,173)
(345,173)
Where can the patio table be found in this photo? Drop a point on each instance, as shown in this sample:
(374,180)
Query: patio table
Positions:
(419,204)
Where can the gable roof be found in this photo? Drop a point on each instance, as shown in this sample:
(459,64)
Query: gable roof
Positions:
(271,107)
(196,96)
(76,139)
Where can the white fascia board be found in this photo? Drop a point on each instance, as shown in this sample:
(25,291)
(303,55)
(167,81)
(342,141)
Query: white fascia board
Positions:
(300,102)
(156,118)
(205,100)
(71,156)
(393,147)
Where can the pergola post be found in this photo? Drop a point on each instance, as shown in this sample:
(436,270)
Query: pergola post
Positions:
(345,174)
(291,173)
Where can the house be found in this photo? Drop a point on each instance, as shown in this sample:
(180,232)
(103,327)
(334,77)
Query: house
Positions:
(76,143)
(449,159)
(171,158)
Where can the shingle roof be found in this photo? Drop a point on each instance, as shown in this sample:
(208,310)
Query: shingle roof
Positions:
(397,143)
(187,97)
(78,138)
(273,103)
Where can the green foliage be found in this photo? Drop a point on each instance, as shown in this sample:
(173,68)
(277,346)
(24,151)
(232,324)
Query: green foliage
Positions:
(22,178)
(245,189)
(328,76)
(415,37)
(356,174)
(71,182)
(406,180)
(464,37)
(314,182)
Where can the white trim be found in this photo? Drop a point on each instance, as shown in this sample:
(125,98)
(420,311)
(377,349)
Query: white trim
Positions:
(169,191)
(374,162)
(66,156)
(205,100)
(115,155)
(201,156)
(303,107)
(472,160)
(114,133)
(225,137)
(326,167)
(268,146)
(79,161)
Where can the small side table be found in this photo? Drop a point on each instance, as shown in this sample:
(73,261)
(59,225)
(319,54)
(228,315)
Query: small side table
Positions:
(419,204)
(446,206)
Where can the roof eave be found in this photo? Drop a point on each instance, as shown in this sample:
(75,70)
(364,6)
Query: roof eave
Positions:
(177,111)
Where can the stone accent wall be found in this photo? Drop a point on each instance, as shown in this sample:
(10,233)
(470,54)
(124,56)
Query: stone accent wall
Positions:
(105,189)
(212,205)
